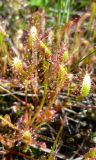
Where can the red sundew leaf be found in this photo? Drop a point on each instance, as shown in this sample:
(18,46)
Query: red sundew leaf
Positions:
(49,114)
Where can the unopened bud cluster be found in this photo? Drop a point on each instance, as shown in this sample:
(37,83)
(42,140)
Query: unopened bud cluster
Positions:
(86,85)
(17,64)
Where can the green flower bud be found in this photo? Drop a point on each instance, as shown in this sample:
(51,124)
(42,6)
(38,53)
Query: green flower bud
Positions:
(62,75)
(27,137)
(17,64)
(32,37)
(86,86)
(65,56)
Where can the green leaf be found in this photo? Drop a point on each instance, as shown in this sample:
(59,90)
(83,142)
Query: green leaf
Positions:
(37,3)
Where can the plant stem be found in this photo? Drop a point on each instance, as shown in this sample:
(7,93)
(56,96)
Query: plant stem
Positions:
(59,12)
(41,105)
(67,10)
(55,142)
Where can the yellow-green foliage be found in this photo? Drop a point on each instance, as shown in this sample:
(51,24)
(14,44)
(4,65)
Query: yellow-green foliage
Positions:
(93,11)
(3,45)
(47,50)
(91,154)
(62,75)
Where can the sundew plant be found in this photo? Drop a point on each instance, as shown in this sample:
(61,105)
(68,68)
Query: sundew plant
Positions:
(44,73)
